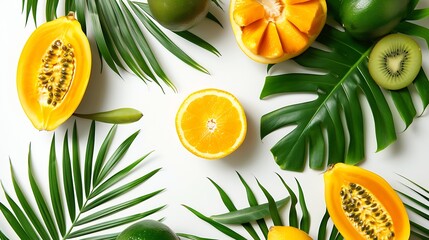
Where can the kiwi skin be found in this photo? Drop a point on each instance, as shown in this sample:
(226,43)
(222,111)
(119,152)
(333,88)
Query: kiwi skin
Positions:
(395,61)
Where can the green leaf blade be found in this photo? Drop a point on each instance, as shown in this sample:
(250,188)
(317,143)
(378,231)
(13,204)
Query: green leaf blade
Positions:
(30,212)
(68,179)
(89,154)
(249,214)
(112,223)
(119,191)
(21,218)
(13,222)
(116,157)
(77,174)
(41,202)
(54,189)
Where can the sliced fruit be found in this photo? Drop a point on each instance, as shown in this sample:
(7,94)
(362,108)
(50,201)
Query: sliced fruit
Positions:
(287,233)
(211,123)
(395,61)
(271,31)
(53,72)
(363,205)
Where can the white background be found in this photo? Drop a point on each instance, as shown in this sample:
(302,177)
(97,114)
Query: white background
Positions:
(183,175)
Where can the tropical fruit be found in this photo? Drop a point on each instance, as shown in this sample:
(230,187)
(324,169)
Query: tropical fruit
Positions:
(178,15)
(287,233)
(370,19)
(211,123)
(147,230)
(271,31)
(53,72)
(363,205)
(395,61)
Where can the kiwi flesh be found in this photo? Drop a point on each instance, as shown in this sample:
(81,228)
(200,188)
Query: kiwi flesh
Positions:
(395,61)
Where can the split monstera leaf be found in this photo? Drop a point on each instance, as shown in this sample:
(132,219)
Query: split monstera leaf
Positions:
(329,128)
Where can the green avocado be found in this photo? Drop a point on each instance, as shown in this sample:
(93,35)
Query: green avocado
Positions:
(178,15)
(370,19)
(147,230)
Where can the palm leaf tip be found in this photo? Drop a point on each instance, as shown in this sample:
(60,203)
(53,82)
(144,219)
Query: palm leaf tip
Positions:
(256,212)
(417,204)
(24,218)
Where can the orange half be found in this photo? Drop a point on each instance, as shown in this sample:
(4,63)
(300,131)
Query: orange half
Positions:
(211,123)
(272,31)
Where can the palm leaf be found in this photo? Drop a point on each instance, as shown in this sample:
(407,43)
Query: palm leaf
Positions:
(325,229)
(24,219)
(254,213)
(330,128)
(417,203)
(114,26)
(2,236)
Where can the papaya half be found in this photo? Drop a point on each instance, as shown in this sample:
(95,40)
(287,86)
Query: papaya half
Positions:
(53,72)
(363,205)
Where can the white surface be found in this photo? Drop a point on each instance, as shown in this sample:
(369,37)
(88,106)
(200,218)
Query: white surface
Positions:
(183,175)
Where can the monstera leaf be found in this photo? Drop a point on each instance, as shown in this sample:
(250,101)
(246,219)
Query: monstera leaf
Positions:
(330,128)
(88,194)
(121,42)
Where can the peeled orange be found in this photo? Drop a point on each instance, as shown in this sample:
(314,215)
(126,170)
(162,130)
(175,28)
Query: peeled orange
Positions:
(271,31)
(211,123)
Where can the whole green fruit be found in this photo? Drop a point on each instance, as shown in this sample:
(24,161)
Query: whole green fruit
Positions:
(147,230)
(370,19)
(178,15)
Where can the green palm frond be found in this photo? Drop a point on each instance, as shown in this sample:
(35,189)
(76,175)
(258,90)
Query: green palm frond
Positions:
(330,128)
(115,24)
(256,213)
(88,195)
(417,202)
(326,231)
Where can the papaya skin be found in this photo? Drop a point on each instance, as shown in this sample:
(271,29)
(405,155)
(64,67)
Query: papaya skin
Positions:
(53,72)
(371,19)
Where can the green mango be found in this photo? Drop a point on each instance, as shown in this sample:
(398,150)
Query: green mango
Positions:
(147,230)
(370,19)
(178,15)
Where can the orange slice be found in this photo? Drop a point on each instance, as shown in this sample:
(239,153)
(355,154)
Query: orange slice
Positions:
(211,123)
(272,31)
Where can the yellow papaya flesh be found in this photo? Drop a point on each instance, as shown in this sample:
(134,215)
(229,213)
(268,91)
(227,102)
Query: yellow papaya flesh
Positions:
(363,205)
(53,72)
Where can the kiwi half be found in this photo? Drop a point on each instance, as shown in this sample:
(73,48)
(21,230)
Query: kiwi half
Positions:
(395,61)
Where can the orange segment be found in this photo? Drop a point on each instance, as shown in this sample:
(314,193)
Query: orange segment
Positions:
(271,46)
(211,123)
(253,34)
(248,13)
(271,31)
(305,16)
(292,39)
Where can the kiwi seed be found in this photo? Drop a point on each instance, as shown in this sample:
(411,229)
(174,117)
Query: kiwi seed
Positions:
(395,61)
